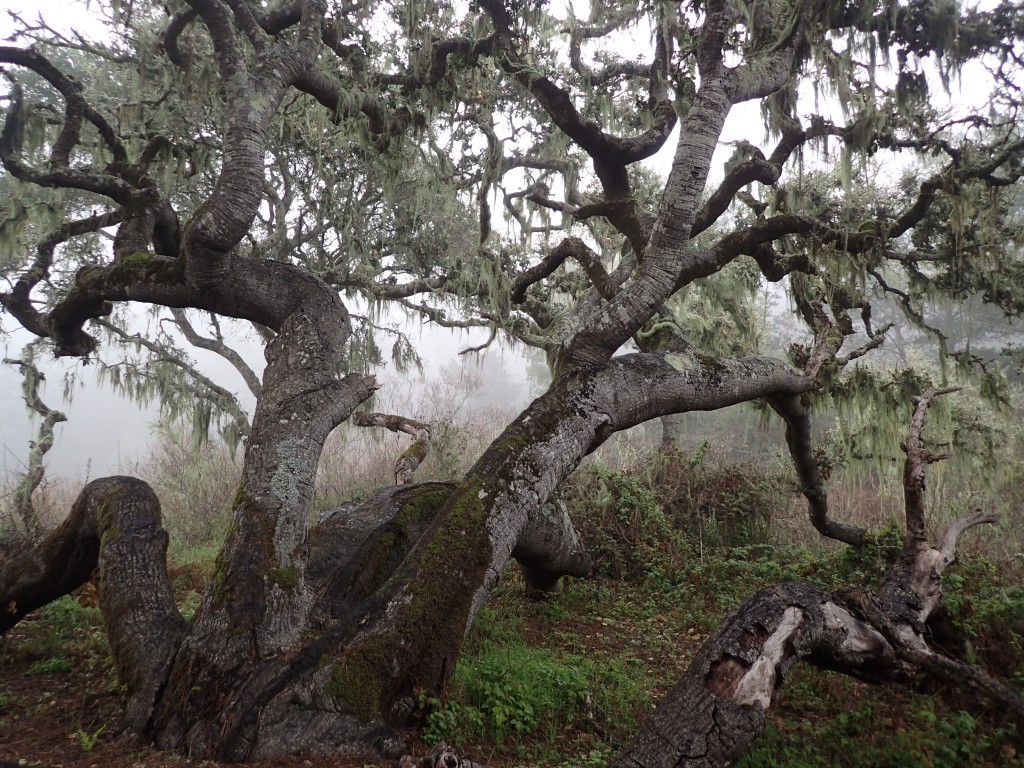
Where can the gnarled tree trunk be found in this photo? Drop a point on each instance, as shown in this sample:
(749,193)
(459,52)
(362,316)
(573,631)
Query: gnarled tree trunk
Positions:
(316,637)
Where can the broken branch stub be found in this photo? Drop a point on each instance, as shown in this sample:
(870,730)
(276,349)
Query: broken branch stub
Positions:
(411,457)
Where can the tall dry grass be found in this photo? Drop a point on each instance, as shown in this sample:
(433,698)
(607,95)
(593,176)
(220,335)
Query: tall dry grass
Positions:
(196,484)
(359,460)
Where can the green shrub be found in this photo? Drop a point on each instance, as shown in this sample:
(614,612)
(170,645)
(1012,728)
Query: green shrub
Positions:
(650,519)
(864,737)
(868,564)
(721,506)
(623,525)
(61,622)
(983,616)
(51,666)
(507,693)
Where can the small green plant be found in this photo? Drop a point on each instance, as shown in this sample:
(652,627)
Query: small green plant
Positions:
(846,726)
(87,741)
(52,666)
(594,758)
(61,622)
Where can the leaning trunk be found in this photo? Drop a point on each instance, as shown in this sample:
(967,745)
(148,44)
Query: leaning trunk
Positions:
(256,609)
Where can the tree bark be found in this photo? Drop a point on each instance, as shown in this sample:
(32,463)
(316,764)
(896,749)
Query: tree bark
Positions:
(113,531)
(413,636)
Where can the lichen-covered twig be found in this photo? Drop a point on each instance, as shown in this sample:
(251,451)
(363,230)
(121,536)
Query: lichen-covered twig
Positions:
(24,510)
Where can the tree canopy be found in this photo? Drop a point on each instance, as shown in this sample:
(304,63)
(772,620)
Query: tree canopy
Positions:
(295,164)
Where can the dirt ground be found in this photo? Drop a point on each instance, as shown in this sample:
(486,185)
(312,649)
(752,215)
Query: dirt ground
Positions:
(68,720)
(65,715)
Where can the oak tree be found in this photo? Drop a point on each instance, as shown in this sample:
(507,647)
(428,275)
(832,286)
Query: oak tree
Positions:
(285,163)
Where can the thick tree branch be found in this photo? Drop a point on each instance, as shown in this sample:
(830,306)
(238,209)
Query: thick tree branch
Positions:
(570,247)
(251,100)
(58,176)
(19,301)
(114,528)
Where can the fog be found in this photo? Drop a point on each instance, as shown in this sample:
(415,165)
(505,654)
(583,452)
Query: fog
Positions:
(107,433)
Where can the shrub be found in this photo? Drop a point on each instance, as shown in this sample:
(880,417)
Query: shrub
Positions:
(647,520)
(51,666)
(622,524)
(507,693)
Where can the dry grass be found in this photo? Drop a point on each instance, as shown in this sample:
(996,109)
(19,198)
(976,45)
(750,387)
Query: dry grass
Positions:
(356,461)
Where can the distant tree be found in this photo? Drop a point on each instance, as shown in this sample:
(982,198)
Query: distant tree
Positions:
(271,163)
(19,521)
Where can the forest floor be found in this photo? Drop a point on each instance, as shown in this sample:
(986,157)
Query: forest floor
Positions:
(560,682)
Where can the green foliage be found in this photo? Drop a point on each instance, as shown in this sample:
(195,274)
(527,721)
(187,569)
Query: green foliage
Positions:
(87,741)
(984,609)
(51,666)
(505,693)
(869,563)
(9,701)
(865,737)
(873,403)
(723,506)
(623,525)
(722,313)
(62,625)
(724,579)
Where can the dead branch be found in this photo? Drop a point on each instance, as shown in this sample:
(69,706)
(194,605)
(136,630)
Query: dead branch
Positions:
(481,347)
(412,456)
(24,509)
(918,457)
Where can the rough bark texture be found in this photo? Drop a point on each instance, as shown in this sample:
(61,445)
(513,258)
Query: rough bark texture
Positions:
(113,531)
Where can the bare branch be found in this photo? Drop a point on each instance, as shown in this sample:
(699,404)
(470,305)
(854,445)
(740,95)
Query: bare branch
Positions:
(217,345)
(956,529)
(225,399)
(481,347)
(412,456)
(918,457)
